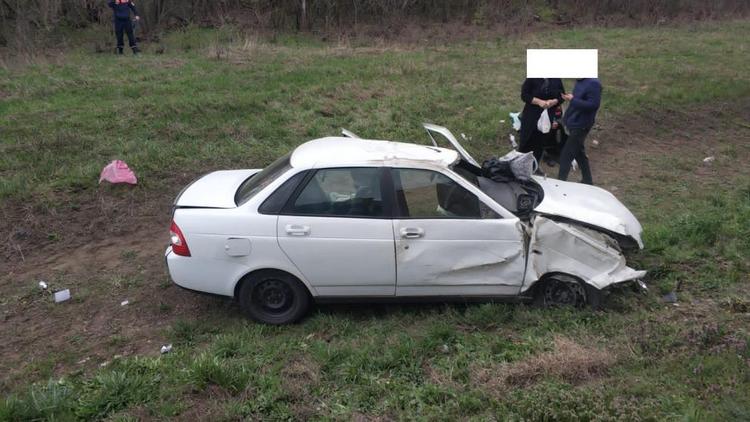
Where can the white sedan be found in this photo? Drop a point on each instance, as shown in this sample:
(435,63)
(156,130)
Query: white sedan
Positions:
(342,218)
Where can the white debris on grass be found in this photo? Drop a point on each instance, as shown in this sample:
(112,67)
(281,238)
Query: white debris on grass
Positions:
(166,348)
(43,285)
(62,295)
(124,302)
(709,160)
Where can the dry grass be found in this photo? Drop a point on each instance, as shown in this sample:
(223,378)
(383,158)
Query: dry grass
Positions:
(569,360)
(300,376)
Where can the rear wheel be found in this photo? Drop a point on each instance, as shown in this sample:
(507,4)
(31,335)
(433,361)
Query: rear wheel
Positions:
(564,290)
(274,297)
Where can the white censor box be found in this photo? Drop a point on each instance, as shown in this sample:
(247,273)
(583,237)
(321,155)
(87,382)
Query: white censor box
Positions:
(562,63)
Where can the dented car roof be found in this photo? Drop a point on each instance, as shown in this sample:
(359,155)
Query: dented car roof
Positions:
(341,151)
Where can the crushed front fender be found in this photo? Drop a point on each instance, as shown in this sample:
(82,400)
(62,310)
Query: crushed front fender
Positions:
(592,256)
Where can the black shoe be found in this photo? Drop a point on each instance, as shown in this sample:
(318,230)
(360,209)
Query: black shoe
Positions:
(136,50)
(119,50)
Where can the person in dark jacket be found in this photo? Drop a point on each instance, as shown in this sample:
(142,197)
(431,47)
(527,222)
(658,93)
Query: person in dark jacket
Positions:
(539,95)
(578,120)
(121,15)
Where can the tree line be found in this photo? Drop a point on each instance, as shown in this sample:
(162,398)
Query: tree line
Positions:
(23,21)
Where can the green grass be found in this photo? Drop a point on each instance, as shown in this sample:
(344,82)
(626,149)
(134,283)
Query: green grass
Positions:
(416,361)
(187,111)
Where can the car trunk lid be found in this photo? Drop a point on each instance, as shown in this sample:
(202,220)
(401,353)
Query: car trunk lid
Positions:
(214,190)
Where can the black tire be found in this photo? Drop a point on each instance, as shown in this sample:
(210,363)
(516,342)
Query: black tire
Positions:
(274,297)
(564,290)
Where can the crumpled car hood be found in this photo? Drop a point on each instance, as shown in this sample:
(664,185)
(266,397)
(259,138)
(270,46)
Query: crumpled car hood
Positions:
(589,205)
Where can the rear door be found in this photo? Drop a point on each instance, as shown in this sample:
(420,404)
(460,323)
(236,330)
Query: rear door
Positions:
(449,242)
(337,230)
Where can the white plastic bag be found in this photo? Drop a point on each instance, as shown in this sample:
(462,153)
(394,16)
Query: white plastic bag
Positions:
(543,124)
(522,164)
(516,120)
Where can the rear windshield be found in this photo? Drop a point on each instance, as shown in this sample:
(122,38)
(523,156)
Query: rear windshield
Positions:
(260,180)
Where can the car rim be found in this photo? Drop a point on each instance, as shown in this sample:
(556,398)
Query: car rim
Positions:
(561,293)
(273,296)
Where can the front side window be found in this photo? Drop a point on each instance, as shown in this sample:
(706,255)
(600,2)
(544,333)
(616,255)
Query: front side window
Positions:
(341,192)
(260,180)
(429,194)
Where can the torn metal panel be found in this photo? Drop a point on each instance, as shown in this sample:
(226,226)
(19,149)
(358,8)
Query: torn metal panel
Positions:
(349,134)
(564,248)
(453,141)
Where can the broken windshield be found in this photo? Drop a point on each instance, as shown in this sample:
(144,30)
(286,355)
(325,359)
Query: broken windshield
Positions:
(466,171)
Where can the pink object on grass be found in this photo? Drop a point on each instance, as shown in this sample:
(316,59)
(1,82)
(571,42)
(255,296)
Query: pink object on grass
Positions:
(118,172)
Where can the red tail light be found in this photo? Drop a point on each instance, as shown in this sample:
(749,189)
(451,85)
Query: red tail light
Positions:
(179,245)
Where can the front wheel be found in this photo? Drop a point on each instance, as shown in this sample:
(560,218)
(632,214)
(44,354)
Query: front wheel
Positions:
(563,290)
(274,298)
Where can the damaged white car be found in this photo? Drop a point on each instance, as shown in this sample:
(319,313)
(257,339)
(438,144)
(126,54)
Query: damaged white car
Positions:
(342,218)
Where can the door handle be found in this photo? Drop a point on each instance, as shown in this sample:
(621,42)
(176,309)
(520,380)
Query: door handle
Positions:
(297,230)
(412,232)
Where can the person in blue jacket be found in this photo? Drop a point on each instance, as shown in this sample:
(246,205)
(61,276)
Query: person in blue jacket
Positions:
(121,10)
(578,119)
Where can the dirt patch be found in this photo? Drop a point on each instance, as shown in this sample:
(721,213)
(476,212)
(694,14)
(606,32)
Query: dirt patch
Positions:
(300,377)
(107,250)
(569,360)
(300,374)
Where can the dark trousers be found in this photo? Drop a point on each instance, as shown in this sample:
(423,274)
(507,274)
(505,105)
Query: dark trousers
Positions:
(535,143)
(574,149)
(124,25)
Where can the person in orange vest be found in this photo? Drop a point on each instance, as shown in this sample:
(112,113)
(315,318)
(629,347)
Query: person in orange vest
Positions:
(121,17)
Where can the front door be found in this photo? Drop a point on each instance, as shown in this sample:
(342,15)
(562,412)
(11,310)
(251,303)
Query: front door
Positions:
(448,242)
(338,233)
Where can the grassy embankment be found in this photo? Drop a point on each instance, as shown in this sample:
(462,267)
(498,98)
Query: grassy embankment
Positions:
(215,100)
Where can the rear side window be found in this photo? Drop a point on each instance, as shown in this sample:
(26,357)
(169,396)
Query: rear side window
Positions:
(341,192)
(258,181)
(429,194)
(276,201)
